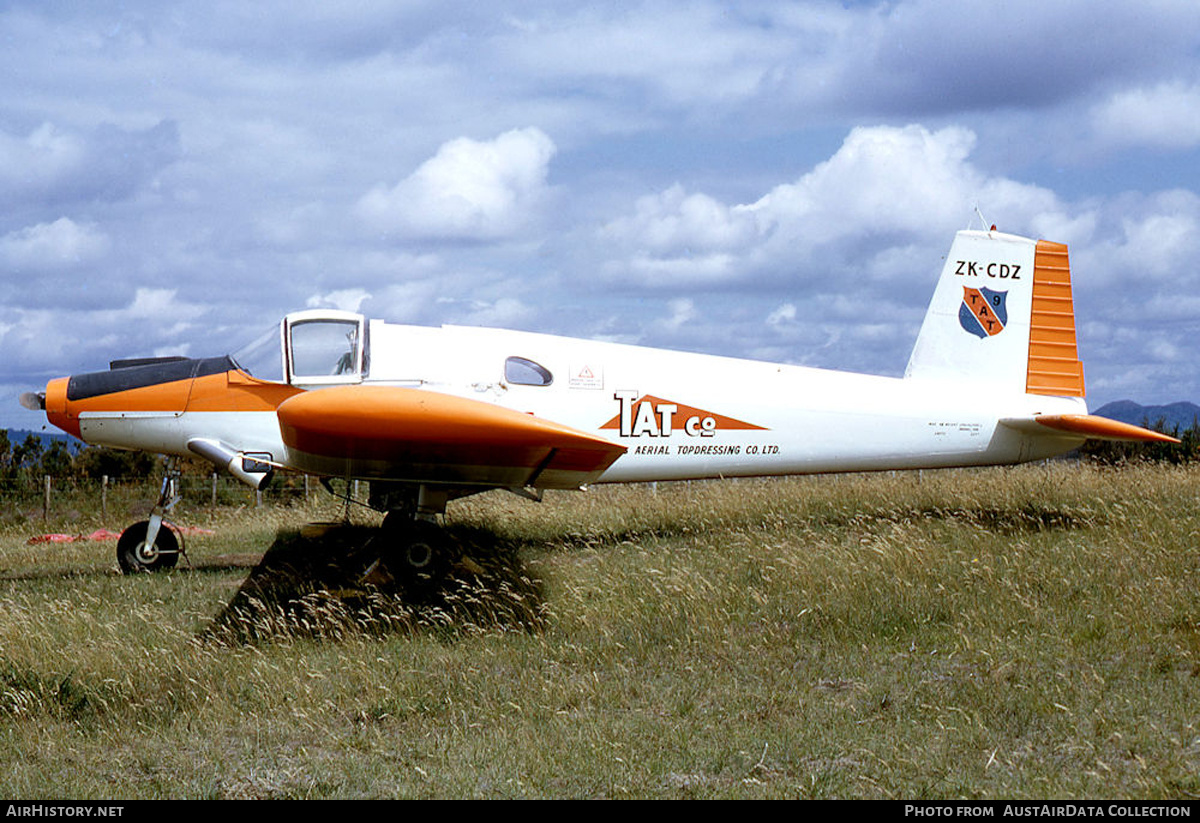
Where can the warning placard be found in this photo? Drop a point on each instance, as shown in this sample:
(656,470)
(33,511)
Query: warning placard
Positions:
(586,376)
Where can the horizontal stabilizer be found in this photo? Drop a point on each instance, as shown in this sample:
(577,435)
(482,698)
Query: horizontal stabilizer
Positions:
(1089,426)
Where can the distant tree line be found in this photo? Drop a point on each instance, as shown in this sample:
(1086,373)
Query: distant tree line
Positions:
(31,459)
(1111,453)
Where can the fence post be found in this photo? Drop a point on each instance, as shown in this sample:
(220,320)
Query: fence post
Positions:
(306,489)
(104,495)
(214,488)
(46,499)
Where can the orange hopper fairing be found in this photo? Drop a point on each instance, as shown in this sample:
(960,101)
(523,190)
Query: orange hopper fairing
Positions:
(396,432)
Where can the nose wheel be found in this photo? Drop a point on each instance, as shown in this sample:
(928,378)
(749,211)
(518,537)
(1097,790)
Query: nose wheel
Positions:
(137,554)
(151,545)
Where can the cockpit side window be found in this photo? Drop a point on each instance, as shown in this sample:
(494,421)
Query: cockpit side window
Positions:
(522,371)
(324,348)
(263,357)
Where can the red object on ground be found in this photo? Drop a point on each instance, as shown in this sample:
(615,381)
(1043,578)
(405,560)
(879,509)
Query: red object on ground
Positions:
(51,538)
(103,534)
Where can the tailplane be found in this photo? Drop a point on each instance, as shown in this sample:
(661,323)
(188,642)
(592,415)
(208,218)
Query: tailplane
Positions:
(1086,426)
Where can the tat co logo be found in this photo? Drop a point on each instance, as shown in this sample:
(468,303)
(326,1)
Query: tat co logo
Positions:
(983,312)
(650,416)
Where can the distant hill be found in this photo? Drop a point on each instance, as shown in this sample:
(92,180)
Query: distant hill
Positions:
(1182,414)
(17,437)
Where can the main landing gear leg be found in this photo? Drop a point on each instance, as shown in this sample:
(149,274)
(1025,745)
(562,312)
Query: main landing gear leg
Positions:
(415,549)
(149,545)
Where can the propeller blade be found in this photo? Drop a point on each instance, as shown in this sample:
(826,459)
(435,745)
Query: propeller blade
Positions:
(35,401)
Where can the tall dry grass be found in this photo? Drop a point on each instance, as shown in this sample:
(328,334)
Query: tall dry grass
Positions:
(1028,632)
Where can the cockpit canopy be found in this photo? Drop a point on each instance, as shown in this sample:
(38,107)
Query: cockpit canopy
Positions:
(314,347)
(326,347)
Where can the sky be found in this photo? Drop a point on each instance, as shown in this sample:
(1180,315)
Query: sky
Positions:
(771,180)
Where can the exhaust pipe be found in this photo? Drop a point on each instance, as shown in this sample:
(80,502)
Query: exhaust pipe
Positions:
(234,462)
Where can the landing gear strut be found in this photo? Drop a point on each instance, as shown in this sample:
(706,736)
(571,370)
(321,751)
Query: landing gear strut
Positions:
(147,546)
(412,548)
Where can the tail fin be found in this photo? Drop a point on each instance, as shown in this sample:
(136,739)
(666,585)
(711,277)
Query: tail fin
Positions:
(1002,314)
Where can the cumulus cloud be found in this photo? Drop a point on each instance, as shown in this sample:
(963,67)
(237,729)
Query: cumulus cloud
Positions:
(51,246)
(508,312)
(878,214)
(1161,116)
(674,219)
(343,299)
(884,188)
(683,312)
(46,154)
(483,190)
(1143,240)
(714,56)
(149,303)
(881,179)
(59,340)
(105,163)
(783,315)
(925,56)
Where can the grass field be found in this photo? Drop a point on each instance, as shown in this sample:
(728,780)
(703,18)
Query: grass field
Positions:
(1009,633)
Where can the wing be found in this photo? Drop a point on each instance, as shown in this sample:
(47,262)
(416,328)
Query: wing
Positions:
(414,435)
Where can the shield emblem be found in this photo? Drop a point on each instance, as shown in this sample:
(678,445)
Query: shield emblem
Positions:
(984,312)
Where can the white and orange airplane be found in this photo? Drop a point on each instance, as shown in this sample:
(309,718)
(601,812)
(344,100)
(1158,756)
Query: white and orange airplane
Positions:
(428,415)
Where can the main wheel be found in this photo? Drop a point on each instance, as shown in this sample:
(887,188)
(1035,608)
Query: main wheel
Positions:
(133,555)
(425,553)
(418,553)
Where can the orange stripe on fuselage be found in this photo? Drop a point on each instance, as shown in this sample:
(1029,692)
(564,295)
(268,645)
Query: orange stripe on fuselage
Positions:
(237,391)
(224,392)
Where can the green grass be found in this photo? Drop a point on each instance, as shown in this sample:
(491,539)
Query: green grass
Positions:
(1007,633)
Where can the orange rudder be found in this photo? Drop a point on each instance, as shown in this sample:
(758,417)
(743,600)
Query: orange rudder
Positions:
(1054,367)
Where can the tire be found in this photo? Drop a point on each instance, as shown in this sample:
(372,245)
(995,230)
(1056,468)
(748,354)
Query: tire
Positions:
(133,555)
(419,553)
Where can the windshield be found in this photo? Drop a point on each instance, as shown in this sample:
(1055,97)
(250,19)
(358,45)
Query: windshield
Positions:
(322,348)
(263,357)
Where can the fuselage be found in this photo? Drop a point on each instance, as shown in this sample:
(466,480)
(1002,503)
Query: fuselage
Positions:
(667,415)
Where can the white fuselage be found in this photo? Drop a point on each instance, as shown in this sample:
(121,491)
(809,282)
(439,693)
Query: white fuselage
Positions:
(680,415)
(807,420)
